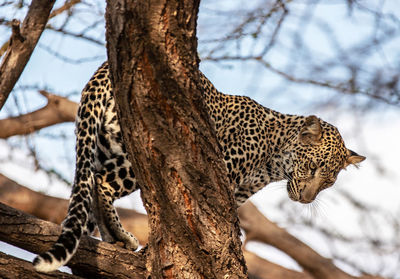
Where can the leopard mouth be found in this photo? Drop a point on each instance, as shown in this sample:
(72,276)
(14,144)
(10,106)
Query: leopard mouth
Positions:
(295,196)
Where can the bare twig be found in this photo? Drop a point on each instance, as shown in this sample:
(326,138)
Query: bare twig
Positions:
(71,60)
(67,6)
(76,35)
(339,87)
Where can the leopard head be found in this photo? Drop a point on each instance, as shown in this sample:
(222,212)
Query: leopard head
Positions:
(317,157)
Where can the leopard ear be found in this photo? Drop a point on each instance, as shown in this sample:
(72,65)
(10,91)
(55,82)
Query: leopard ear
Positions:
(353,158)
(311,131)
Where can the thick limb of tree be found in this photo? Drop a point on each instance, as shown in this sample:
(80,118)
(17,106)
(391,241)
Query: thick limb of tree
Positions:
(57,110)
(23,42)
(12,267)
(270,233)
(54,209)
(94,259)
(170,140)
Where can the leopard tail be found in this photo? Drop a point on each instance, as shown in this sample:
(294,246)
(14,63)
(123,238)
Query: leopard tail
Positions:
(77,220)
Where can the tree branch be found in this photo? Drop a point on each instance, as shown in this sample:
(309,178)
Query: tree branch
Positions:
(270,233)
(260,268)
(259,228)
(22,44)
(12,267)
(58,110)
(67,6)
(94,259)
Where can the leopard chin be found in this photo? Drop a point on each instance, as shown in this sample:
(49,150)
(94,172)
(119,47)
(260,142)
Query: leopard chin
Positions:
(294,196)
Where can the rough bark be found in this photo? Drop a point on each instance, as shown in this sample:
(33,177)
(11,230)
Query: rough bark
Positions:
(57,110)
(94,259)
(173,149)
(22,43)
(14,268)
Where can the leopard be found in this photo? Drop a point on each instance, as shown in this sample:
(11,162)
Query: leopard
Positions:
(258,145)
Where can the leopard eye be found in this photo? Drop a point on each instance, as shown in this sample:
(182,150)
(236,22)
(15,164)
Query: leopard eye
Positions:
(313,167)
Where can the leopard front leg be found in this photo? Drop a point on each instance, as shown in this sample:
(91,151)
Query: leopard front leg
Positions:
(110,187)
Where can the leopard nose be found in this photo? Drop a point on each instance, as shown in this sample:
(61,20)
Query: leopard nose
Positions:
(306,197)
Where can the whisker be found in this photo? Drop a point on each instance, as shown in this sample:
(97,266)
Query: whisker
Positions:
(319,206)
(314,209)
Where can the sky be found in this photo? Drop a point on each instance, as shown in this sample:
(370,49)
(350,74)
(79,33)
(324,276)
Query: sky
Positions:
(374,134)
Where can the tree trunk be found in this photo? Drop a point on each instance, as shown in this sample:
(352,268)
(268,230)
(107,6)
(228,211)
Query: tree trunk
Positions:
(172,146)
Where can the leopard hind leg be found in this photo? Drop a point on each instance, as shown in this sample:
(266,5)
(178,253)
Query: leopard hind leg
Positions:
(109,187)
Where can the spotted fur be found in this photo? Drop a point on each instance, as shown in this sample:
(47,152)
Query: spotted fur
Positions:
(259,146)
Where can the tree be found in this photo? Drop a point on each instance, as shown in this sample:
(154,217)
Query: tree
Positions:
(278,8)
(171,143)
